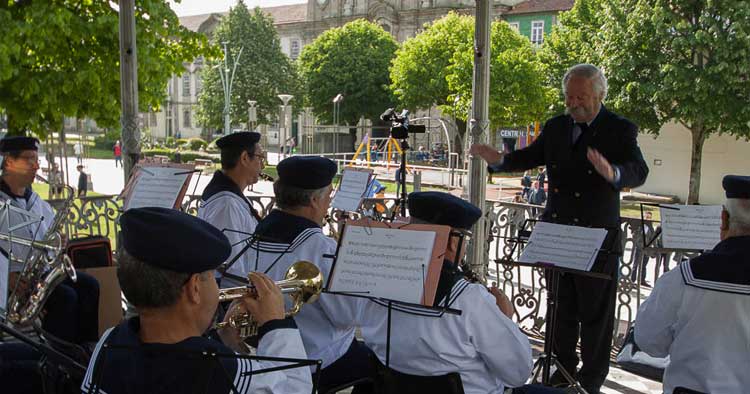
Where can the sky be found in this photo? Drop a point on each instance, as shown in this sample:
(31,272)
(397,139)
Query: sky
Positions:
(195,7)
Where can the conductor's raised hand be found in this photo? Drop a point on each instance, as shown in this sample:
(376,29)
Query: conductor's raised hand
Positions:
(269,303)
(601,164)
(502,301)
(486,152)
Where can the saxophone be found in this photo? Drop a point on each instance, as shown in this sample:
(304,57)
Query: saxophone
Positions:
(46,267)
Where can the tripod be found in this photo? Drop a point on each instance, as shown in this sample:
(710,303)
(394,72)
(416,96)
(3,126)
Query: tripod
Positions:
(401,180)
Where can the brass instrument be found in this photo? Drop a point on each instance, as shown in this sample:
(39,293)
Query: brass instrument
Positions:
(47,266)
(303,282)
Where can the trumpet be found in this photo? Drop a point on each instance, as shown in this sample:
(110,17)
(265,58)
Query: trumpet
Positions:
(303,282)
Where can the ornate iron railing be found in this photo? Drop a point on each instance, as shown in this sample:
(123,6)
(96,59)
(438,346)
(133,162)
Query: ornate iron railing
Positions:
(525,286)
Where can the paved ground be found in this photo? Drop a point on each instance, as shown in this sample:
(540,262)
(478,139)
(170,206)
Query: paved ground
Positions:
(108,179)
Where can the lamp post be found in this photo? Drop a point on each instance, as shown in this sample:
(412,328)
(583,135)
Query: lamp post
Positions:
(252,115)
(285,121)
(226,83)
(336,114)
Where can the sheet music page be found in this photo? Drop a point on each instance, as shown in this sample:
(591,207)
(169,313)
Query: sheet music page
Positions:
(157,187)
(4,275)
(695,227)
(353,187)
(383,262)
(563,246)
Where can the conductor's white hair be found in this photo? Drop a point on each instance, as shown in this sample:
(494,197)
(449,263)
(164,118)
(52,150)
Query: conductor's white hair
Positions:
(588,71)
(739,214)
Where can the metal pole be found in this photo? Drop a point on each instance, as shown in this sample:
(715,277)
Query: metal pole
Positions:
(131,135)
(477,256)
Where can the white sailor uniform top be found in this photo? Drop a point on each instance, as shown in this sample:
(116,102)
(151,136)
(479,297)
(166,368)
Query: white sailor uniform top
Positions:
(487,348)
(32,203)
(284,239)
(226,208)
(126,365)
(699,315)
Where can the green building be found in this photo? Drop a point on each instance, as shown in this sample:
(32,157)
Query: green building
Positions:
(534,18)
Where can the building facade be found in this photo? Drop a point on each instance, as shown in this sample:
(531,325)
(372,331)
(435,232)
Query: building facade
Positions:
(299,24)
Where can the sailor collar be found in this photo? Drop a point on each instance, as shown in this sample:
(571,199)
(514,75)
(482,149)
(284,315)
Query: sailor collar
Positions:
(220,182)
(726,268)
(283,227)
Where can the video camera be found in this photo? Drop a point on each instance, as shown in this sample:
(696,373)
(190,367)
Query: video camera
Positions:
(400,127)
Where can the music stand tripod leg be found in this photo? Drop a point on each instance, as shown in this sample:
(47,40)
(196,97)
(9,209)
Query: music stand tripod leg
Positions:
(548,358)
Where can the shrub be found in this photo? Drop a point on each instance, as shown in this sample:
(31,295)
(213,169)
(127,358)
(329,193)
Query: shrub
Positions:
(170,142)
(107,140)
(196,144)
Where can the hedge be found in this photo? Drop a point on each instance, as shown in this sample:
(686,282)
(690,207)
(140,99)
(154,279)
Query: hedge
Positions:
(185,156)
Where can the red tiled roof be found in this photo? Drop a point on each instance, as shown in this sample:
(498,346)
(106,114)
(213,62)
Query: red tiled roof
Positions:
(280,14)
(536,6)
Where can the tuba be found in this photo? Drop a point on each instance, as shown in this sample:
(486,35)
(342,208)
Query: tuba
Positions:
(46,267)
(303,281)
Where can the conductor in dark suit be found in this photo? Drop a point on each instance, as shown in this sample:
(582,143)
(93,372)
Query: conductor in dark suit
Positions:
(590,154)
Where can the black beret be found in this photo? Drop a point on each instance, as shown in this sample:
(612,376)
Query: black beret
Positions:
(306,172)
(737,186)
(244,139)
(17,143)
(173,240)
(443,208)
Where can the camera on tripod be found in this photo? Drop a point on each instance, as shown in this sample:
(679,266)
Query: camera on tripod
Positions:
(400,127)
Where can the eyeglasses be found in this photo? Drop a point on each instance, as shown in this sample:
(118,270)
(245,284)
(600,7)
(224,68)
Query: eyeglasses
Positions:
(263,158)
(33,159)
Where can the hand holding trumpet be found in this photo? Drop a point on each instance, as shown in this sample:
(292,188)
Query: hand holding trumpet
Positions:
(265,303)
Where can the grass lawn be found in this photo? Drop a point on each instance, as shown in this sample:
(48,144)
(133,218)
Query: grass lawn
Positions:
(96,153)
(629,209)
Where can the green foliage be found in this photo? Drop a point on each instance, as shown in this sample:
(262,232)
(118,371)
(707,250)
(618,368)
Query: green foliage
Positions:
(352,60)
(170,142)
(61,58)
(107,140)
(263,71)
(195,144)
(436,67)
(185,156)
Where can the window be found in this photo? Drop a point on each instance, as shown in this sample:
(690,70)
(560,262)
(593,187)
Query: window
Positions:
(294,49)
(186,119)
(515,26)
(537,32)
(198,85)
(186,85)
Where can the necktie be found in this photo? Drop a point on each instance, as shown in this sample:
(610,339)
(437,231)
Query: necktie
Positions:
(579,131)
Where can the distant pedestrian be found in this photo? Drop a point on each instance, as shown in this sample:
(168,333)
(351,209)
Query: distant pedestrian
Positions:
(56,180)
(542,176)
(526,183)
(118,153)
(537,196)
(78,150)
(83,181)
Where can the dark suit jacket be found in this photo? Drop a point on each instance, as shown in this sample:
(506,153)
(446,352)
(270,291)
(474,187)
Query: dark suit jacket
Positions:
(577,194)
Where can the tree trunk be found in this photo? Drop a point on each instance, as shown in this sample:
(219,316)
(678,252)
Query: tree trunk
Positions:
(699,137)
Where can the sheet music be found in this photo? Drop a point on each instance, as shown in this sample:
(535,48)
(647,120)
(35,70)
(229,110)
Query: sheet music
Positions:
(563,246)
(157,187)
(695,227)
(383,262)
(351,190)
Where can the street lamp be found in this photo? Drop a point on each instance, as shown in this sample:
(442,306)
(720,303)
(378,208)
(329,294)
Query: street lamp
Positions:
(336,114)
(226,83)
(252,115)
(285,121)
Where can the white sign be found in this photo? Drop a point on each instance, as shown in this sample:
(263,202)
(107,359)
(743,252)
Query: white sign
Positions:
(351,190)
(563,246)
(694,227)
(383,262)
(157,187)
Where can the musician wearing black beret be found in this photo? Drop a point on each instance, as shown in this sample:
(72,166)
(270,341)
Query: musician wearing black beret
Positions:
(223,203)
(166,270)
(699,313)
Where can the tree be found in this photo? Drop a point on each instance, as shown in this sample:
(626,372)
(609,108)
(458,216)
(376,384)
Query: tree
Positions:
(684,61)
(262,73)
(61,58)
(435,68)
(352,60)
(572,41)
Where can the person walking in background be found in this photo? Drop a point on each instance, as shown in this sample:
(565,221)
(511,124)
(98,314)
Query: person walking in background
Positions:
(526,183)
(78,150)
(56,181)
(117,150)
(83,181)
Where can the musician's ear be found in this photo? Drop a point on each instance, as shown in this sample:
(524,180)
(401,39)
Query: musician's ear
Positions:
(724,220)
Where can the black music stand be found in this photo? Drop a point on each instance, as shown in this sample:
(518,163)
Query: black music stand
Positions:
(552,274)
(209,360)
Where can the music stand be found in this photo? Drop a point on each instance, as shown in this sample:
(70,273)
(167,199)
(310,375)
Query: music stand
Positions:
(552,273)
